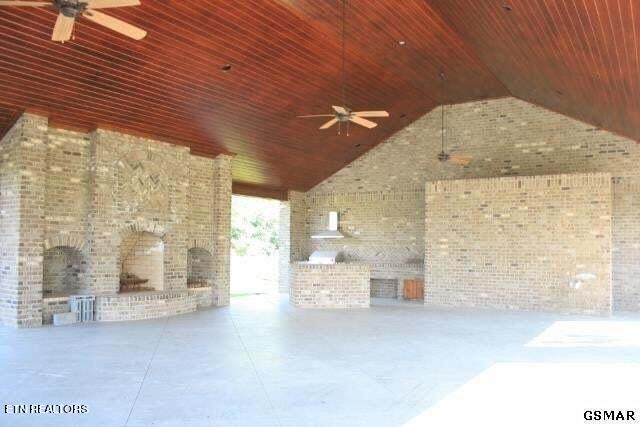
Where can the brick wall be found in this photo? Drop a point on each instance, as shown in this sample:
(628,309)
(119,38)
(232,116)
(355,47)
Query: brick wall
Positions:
(293,236)
(203,297)
(66,189)
(202,173)
(53,305)
(87,193)
(222,230)
(384,288)
(9,224)
(22,182)
(284,246)
(343,285)
(381,194)
(378,226)
(626,243)
(138,185)
(63,271)
(540,243)
(146,305)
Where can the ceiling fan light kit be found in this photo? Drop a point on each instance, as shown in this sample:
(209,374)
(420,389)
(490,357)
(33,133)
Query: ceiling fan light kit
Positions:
(69,10)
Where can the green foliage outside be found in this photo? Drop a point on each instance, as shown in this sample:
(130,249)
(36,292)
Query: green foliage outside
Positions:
(254,226)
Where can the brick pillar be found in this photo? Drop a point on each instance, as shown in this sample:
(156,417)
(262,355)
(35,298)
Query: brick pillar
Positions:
(222,229)
(22,183)
(292,236)
(102,259)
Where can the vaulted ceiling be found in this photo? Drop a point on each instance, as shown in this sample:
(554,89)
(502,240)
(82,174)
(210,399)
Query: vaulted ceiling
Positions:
(576,57)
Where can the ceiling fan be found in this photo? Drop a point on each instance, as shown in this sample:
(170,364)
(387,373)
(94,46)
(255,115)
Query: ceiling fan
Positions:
(69,10)
(454,158)
(342,114)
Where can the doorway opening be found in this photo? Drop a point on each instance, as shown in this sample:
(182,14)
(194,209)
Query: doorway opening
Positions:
(254,245)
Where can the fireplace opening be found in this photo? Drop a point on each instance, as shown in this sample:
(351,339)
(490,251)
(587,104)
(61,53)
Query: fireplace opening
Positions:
(63,271)
(141,263)
(199,268)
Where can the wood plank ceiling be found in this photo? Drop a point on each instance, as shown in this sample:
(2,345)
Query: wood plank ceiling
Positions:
(573,56)
(576,57)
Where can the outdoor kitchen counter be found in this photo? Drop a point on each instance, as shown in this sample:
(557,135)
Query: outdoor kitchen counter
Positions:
(340,285)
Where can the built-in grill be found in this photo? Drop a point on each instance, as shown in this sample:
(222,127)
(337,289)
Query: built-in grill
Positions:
(325,257)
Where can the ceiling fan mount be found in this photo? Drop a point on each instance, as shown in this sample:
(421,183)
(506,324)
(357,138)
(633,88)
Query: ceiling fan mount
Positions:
(344,117)
(70,8)
(443,157)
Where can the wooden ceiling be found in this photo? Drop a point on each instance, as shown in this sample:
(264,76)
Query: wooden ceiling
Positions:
(577,57)
(573,56)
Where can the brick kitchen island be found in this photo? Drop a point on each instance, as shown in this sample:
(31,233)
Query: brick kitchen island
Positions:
(340,285)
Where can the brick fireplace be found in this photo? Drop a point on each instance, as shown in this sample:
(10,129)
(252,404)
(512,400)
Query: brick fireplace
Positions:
(140,224)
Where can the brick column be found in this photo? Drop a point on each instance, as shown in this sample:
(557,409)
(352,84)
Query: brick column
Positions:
(293,236)
(22,183)
(102,259)
(222,229)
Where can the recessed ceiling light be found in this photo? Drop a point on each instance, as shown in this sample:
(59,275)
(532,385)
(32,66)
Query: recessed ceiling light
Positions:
(226,67)
(402,42)
(507,7)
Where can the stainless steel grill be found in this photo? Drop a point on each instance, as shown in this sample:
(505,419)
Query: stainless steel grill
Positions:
(325,257)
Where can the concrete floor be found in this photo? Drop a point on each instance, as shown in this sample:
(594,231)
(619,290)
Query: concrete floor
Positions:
(263,363)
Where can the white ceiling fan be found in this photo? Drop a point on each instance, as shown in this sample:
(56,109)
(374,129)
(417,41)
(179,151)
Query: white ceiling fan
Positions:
(342,114)
(69,10)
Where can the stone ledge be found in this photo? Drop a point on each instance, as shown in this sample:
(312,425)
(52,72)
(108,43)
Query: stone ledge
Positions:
(344,266)
(331,199)
(591,180)
(144,305)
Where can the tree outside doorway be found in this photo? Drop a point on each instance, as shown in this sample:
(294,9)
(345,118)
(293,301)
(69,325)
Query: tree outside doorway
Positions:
(254,246)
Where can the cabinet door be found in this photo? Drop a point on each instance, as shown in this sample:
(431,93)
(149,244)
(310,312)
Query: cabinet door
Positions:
(409,289)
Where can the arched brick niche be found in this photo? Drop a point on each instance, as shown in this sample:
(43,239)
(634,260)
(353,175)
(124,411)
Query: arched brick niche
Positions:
(141,262)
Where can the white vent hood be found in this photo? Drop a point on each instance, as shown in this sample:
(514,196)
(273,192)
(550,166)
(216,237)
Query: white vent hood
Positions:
(332,231)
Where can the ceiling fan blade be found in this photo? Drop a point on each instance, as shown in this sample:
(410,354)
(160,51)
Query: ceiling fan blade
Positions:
(63,29)
(105,4)
(317,115)
(25,3)
(370,113)
(460,159)
(363,122)
(115,24)
(329,124)
(339,110)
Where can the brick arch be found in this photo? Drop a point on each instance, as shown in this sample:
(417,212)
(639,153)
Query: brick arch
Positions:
(73,240)
(144,227)
(201,244)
